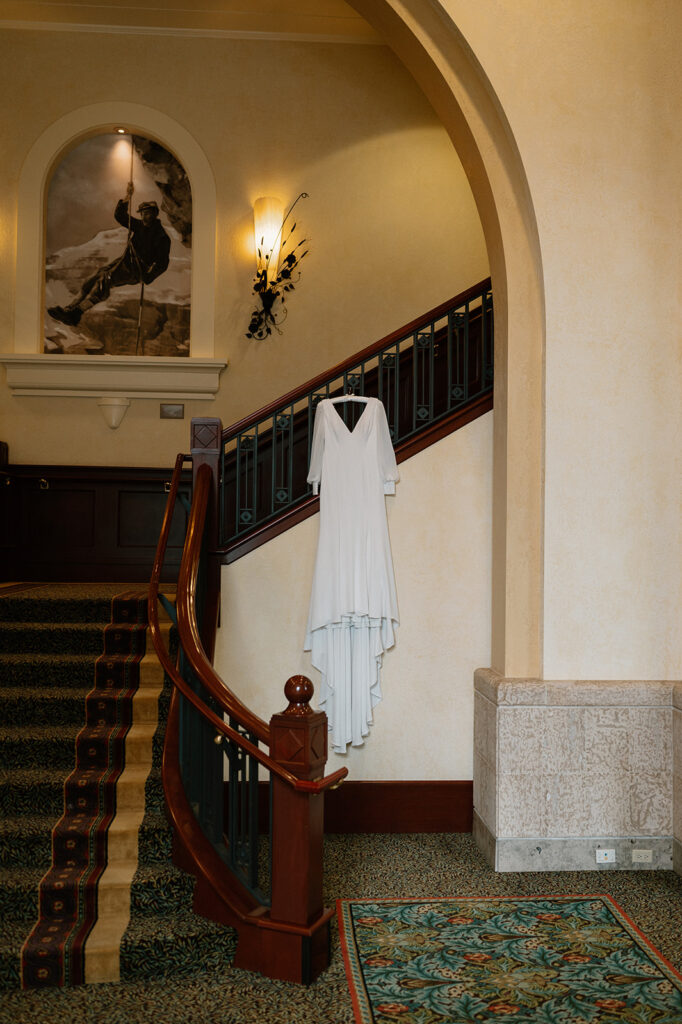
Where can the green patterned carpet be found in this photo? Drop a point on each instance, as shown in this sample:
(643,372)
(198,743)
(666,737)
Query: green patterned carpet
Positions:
(559,960)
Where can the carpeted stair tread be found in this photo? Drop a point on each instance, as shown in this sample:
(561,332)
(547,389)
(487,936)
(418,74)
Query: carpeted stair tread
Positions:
(24,745)
(180,945)
(155,839)
(161,890)
(154,798)
(12,935)
(26,840)
(60,671)
(42,706)
(19,887)
(52,637)
(63,603)
(24,789)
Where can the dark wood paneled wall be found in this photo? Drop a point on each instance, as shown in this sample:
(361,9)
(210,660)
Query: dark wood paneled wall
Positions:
(84,523)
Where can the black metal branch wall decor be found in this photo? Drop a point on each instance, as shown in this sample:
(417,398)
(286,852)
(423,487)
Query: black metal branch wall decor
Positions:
(278,261)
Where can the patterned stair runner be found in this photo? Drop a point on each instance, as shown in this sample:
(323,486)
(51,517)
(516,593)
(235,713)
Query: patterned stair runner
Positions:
(53,953)
(145,927)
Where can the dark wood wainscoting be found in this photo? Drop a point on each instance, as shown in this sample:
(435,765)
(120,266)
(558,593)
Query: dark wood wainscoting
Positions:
(400,807)
(82,523)
(444,806)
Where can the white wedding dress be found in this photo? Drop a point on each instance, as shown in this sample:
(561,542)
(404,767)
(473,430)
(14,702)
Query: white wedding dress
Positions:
(353,605)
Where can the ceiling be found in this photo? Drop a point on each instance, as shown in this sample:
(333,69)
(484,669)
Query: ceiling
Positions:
(332,20)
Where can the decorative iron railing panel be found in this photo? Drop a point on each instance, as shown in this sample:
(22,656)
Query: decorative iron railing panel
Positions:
(421,376)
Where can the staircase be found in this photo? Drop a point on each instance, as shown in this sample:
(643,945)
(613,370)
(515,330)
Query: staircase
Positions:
(145,926)
(214,889)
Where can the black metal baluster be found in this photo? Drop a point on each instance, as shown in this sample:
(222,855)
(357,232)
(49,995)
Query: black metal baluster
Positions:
(254,464)
(449,361)
(467,318)
(395,434)
(490,338)
(273,464)
(415,376)
(237,485)
(290,460)
(253,818)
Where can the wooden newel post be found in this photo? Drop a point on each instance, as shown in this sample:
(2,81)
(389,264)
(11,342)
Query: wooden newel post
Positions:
(205,448)
(298,741)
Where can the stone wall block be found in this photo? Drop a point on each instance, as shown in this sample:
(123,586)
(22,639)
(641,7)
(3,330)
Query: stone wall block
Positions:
(564,740)
(607,809)
(485,792)
(485,729)
(607,743)
(521,805)
(566,810)
(677,807)
(651,804)
(651,739)
(520,739)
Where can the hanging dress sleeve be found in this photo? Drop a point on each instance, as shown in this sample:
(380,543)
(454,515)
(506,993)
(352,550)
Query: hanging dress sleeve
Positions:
(316,450)
(387,464)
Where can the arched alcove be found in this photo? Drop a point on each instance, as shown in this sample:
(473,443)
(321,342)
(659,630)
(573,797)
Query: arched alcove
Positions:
(41,159)
(429,44)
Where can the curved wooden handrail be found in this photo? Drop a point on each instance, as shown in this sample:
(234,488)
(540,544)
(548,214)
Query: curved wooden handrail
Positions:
(348,364)
(188,628)
(189,638)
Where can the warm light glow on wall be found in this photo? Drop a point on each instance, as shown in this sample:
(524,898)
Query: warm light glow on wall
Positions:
(120,155)
(268,214)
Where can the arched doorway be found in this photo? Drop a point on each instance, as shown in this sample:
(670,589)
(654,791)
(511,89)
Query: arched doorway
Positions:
(432,48)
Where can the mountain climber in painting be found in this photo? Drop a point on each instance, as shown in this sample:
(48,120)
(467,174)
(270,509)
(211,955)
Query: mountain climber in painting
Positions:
(144,258)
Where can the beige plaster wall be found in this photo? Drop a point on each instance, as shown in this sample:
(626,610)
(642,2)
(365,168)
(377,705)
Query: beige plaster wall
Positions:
(440,529)
(391,220)
(593,93)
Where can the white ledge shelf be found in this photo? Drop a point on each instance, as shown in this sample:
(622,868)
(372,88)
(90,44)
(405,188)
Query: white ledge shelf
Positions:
(159,377)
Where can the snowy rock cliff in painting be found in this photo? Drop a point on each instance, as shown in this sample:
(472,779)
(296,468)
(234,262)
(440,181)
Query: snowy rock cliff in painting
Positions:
(111,327)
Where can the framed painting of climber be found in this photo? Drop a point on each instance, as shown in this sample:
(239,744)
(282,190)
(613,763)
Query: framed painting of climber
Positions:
(118,250)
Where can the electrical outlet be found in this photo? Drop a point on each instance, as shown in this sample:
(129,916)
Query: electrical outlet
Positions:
(606,856)
(642,856)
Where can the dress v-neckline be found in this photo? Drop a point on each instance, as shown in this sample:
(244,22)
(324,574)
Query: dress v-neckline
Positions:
(340,418)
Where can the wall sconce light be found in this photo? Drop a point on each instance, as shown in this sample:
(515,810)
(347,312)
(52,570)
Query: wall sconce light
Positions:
(277,260)
(113,409)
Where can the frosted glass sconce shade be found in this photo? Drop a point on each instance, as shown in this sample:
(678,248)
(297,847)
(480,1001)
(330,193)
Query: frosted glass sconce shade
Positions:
(268,214)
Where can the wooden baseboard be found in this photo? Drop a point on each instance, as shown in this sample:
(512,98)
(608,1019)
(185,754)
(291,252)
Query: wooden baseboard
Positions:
(404,806)
(444,806)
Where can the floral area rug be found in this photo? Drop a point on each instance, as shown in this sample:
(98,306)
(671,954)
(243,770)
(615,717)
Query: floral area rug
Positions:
(551,960)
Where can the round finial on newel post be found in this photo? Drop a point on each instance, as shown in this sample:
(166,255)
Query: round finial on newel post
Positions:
(299,692)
